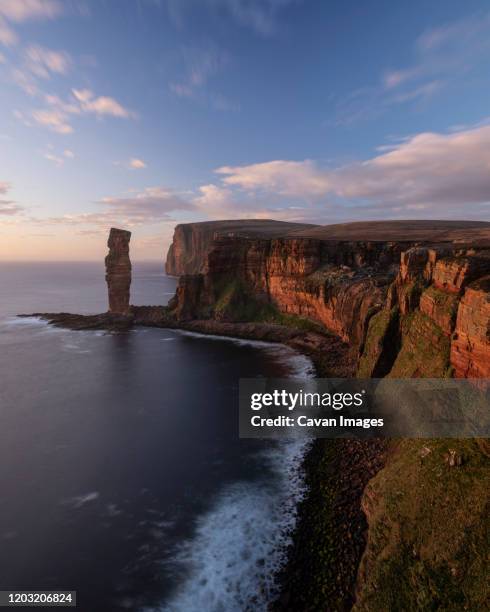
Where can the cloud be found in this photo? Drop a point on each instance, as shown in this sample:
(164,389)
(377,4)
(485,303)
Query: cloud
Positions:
(39,63)
(55,120)
(427,174)
(102,105)
(443,57)
(19,11)
(261,16)
(152,205)
(60,159)
(215,201)
(438,171)
(25,81)
(57,117)
(218,202)
(200,66)
(291,178)
(43,62)
(444,52)
(136,164)
(8,37)
(8,207)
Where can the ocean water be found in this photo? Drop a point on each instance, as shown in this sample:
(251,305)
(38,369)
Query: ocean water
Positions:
(122,476)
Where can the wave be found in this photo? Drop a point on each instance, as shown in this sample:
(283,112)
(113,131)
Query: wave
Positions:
(241,543)
(23,322)
(298,365)
(238,547)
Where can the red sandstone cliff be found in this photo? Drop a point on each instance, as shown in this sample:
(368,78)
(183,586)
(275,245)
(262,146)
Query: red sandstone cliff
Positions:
(411,300)
(118,271)
(407,307)
(192,241)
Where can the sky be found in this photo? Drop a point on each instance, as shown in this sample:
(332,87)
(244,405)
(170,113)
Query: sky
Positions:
(143,114)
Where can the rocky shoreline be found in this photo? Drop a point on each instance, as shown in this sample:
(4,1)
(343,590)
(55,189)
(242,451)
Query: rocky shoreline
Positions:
(416,305)
(330,355)
(330,536)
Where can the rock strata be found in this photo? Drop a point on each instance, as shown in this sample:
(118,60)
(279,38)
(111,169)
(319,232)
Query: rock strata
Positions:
(405,308)
(118,271)
(470,349)
(192,241)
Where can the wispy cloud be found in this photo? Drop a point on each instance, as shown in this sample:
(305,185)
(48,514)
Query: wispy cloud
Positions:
(56,116)
(200,66)
(58,159)
(43,62)
(262,16)
(19,11)
(39,63)
(55,120)
(100,105)
(136,164)
(152,205)
(8,37)
(8,207)
(442,57)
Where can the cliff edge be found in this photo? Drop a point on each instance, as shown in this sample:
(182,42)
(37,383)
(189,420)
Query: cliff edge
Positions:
(192,241)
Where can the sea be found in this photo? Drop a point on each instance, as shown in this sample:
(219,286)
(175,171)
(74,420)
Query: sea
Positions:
(122,476)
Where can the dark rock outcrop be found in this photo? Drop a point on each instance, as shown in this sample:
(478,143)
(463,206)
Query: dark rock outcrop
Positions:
(118,271)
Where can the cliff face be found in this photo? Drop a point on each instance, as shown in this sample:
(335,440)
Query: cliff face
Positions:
(192,241)
(470,355)
(416,305)
(118,271)
(405,308)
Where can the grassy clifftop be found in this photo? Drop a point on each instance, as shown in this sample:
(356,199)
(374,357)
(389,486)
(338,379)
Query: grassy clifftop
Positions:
(428,539)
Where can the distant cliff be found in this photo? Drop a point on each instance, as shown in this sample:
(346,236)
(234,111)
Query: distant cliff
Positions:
(192,241)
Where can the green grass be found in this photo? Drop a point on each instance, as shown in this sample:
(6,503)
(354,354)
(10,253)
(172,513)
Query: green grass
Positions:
(424,351)
(236,303)
(429,530)
(376,341)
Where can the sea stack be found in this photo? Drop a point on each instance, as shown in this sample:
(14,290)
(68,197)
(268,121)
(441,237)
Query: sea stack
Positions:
(118,271)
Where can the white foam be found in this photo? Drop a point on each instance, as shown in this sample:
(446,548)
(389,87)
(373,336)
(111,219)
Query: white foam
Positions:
(241,543)
(24,321)
(239,341)
(80,500)
(300,365)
